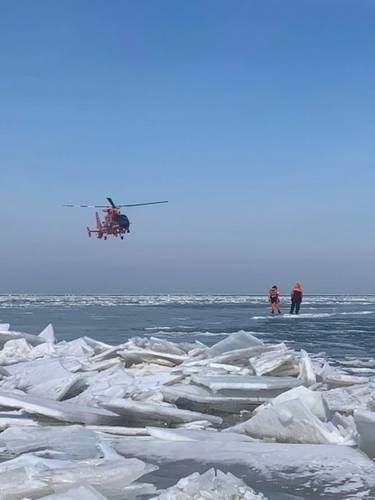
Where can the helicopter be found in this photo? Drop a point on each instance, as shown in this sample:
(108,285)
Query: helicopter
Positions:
(115,223)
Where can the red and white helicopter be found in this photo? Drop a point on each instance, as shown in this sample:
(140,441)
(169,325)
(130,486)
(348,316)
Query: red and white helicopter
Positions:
(115,223)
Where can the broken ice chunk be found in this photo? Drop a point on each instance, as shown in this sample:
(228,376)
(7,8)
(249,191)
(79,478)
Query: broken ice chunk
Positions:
(43,350)
(262,388)
(31,373)
(347,399)
(133,356)
(56,389)
(346,426)
(81,492)
(213,484)
(237,340)
(273,361)
(33,340)
(48,334)
(59,410)
(238,357)
(194,397)
(15,419)
(17,484)
(110,383)
(19,347)
(78,348)
(109,475)
(365,422)
(307,373)
(34,477)
(304,466)
(291,422)
(342,379)
(155,344)
(74,441)
(14,351)
(312,399)
(141,413)
(335,378)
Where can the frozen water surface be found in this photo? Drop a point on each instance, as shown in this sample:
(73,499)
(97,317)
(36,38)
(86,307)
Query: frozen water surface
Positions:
(213,401)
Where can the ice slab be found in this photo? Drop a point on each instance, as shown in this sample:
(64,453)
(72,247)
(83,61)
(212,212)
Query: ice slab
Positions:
(307,373)
(190,435)
(158,345)
(341,379)
(365,423)
(119,430)
(81,492)
(56,389)
(33,340)
(14,351)
(335,378)
(237,340)
(34,477)
(137,412)
(7,419)
(263,388)
(42,377)
(312,470)
(135,356)
(273,361)
(193,397)
(3,372)
(238,357)
(17,485)
(213,484)
(73,441)
(291,421)
(136,491)
(109,476)
(103,365)
(347,399)
(78,348)
(43,351)
(113,382)
(137,382)
(31,373)
(48,334)
(312,399)
(59,410)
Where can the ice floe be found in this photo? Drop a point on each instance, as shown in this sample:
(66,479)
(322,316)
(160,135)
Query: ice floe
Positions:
(239,419)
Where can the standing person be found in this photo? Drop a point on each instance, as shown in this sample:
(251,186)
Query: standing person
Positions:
(274,299)
(296,296)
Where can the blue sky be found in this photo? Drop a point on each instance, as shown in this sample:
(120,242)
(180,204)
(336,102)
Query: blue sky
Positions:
(255,119)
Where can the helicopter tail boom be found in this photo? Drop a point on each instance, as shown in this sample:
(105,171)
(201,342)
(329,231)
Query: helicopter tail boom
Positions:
(99,228)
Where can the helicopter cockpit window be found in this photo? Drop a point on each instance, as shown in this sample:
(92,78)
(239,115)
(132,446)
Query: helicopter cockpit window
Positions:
(122,219)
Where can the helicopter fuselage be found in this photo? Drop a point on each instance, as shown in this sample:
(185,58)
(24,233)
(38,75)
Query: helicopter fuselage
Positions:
(114,224)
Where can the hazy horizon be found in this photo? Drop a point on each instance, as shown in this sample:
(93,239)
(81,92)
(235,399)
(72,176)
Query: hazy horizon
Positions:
(283,293)
(254,119)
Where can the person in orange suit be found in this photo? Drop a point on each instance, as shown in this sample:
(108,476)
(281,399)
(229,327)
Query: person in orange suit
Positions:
(296,296)
(274,299)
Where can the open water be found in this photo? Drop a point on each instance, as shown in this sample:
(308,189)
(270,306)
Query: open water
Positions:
(341,327)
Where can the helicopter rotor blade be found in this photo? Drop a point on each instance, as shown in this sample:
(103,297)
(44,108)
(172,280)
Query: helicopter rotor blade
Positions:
(142,204)
(110,201)
(85,206)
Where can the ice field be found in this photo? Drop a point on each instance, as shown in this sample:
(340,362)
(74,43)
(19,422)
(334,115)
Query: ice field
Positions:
(230,416)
